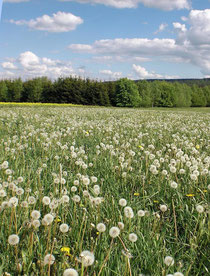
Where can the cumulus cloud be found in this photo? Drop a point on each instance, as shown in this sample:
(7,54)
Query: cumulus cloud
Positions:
(8,65)
(58,22)
(110,74)
(29,65)
(159,4)
(129,47)
(191,45)
(142,73)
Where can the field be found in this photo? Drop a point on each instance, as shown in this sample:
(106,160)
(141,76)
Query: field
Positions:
(104,191)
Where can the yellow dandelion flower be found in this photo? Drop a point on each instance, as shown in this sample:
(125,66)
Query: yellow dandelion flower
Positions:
(58,219)
(65,250)
(197,146)
(155,201)
(205,191)
(190,195)
(140,146)
(136,194)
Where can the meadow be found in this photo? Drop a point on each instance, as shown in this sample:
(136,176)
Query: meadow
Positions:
(104,191)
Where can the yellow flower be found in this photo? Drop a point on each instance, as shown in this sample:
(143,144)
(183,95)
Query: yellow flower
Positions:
(205,191)
(140,147)
(155,201)
(136,194)
(58,219)
(190,195)
(65,249)
(197,146)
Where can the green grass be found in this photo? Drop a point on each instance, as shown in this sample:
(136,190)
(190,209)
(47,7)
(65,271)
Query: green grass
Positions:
(128,151)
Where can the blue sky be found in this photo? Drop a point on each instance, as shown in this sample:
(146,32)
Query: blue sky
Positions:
(105,39)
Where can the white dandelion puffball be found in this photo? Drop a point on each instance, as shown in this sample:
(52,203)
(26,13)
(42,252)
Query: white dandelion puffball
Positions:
(70,272)
(35,214)
(121,225)
(114,232)
(173,184)
(178,274)
(64,228)
(169,261)
(141,213)
(132,237)
(76,198)
(46,200)
(101,227)
(13,239)
(128,212)
(86,181)
(48,218)
(49,259)
(36,223)
(200,209)
(87,258)
(122,202)
(163,208)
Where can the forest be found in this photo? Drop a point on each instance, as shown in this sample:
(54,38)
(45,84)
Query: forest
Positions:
(121,93)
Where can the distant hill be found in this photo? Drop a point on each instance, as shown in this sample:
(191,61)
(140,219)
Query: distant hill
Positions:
(199,82)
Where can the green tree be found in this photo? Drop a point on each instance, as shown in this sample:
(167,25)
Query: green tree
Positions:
(127,93)
(198,97)
(3,91)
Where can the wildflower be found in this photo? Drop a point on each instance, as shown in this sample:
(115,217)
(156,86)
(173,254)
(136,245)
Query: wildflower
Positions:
(46,200)
(141,213)
(65,199)
(136,194)
(200,209)
(31,200)
(169,261)
(13,239)
(65,249)
(121,225)
(178,274)
(86,181)
(122,202)
(70,272)
(190,195)
(73,189)
(36,223)
(48,219)
(76,198)
(64,228)
(101,227)
(49,259)
(163,208)
(87,258)
(114,232)
(132,237)
(35,214)
(128,212)
(173,184)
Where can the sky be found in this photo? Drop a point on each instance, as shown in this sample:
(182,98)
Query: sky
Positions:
(105,39)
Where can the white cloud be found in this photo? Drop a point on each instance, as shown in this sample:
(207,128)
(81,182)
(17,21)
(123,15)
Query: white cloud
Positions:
(161,28)
(110,74)
(29,65)
(179,26)
(142,73)
(8,65)
(129,47)
(58,22)
(199,32)
(159,4)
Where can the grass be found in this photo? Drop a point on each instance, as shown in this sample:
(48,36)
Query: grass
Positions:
(103,155)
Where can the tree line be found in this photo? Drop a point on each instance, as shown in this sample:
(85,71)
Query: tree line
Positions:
(122,93)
